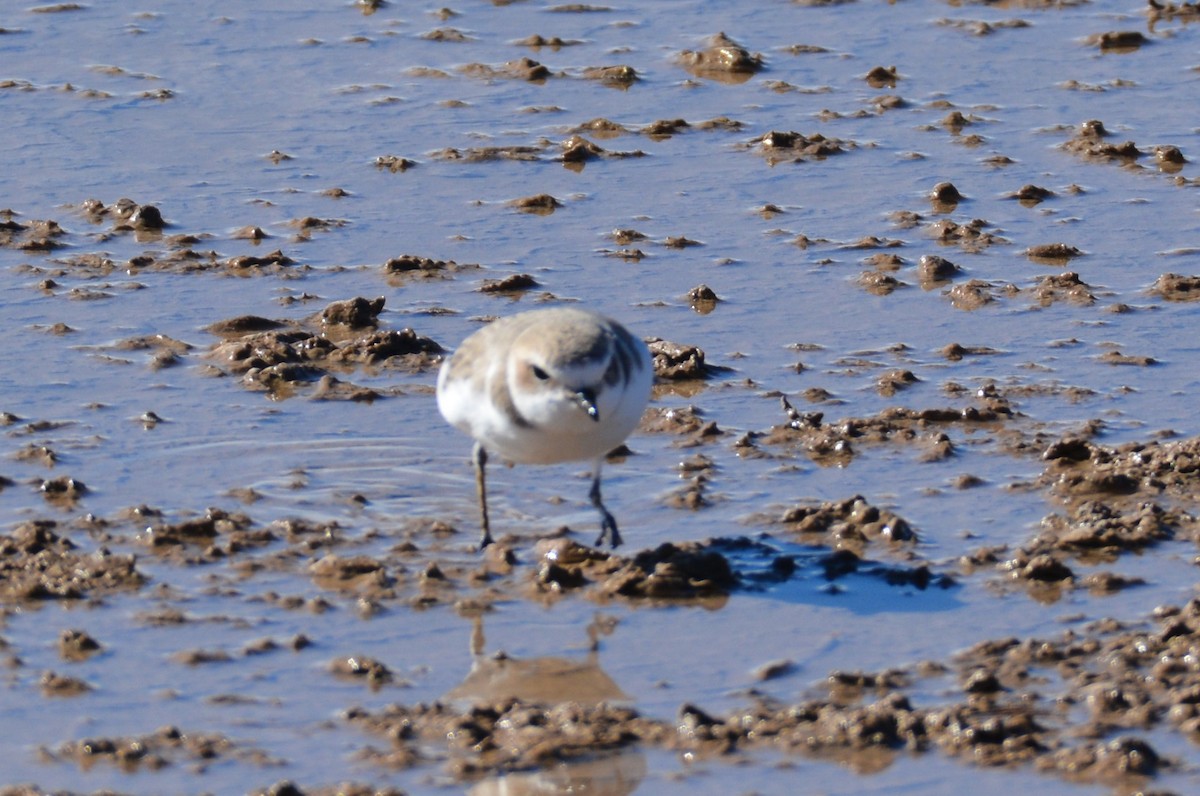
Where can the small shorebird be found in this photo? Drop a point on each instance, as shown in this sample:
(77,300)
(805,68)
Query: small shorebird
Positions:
(546,386)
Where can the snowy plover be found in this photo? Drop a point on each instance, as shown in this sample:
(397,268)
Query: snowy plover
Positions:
(546,386)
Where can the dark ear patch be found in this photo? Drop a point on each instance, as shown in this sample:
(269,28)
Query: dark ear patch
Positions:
(624,360)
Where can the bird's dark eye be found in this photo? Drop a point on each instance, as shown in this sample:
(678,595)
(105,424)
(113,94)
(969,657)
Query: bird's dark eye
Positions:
(538,373)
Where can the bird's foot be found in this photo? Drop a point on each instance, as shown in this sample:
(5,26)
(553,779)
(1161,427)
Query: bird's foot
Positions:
(608,530)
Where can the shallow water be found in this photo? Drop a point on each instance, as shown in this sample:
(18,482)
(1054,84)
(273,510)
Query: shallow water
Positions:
(334,88)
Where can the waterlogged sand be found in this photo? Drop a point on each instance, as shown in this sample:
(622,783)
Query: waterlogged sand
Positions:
(914,508)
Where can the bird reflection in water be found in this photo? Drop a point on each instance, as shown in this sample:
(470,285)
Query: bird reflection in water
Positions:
(551,680)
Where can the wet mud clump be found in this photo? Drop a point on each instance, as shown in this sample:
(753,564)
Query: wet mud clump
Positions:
(340,338)
(1089,533)
(77,645)
(945,197)
(970,236)
(1066,286)
(1093,526)
(833,444)
(1031,195)
(520,69)
(847,527)
(54,684)
(411,266)
(126,215)
(933,270)
(394,163)
(687,422)
(792,147)
(972,294)
(882,77)
(358,574)
(1091,142)
(491,153)
(703,299)
(180,257)
(1174,287)
(513,283)
(670,571)
(360,667)
(1118,40)
(447,34)
(621,76)
(1081,468)
(1052,253)
(164,747)
(1188,12)
(31,236)
(356,313)
(514,735)
(216,535)
(848,524)
(537,41)
(723,59)
(577,150)
(878,283)
(542,204)
(677,362)
(1124,677)
(508,736)
(603,128)
(63,491)
(1115,501)
(36,563)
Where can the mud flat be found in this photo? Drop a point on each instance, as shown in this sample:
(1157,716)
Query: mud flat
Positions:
(914,506)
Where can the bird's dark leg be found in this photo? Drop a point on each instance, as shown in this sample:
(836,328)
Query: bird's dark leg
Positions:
(480,457)
(608,526)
